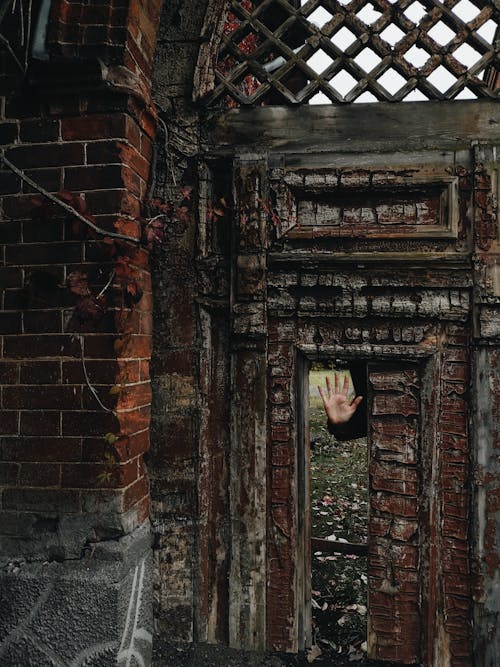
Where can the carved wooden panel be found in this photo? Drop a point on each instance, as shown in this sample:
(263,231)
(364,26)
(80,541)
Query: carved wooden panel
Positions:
(317,205)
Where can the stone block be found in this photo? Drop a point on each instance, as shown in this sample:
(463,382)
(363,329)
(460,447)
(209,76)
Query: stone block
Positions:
(94,611)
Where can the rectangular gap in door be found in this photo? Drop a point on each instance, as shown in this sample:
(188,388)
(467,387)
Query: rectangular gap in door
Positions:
(339,516)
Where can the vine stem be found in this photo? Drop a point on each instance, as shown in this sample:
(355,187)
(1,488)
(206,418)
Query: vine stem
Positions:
(110,280)
(63,205)
(87,379)
(9,48)
(156,217)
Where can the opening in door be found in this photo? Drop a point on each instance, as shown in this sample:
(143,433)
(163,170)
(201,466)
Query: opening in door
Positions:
(339,511)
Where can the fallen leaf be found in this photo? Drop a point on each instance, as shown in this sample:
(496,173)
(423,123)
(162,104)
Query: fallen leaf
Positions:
(313,653)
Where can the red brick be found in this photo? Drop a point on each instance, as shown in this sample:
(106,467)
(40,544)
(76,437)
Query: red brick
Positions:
(10,232)
(36,156)
(101,372)
(95,14)
(9,473)
(145,373)
(133,421)
(9,183)
(89,401)
(50,397)
(10,323)
(39,130)
(94,450)
(9,422)
(40,449)
(104,152)
(137,444)
(42,422)
(132,181)
(9,372)
(10,276)
(39,474)
(8,133)
(79,179)
(43,321)
(87,423)
(142,510)
(113,201)
(135,346)
(42,500)
(135,160)
(97,126)
(100,347)
(146,326)
(41,346)
(93,475)
(136,492)
(44,253)
(40,372)
(134,395)
(48,232)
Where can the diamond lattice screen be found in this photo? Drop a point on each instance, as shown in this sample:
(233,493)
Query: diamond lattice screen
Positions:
(276,52)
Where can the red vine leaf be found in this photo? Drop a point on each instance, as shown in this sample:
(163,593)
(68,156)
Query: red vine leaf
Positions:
(91,308)
(41,208)
(66,196)
(80,204)
(186,191)
(154,232)
(183,214)
(110,245)
(123,270)
(78,283)
(134,292)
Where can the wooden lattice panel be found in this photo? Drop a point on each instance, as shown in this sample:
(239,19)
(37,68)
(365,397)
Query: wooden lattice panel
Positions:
(339,51)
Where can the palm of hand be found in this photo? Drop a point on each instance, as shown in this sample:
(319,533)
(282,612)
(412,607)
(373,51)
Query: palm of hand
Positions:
(339,409)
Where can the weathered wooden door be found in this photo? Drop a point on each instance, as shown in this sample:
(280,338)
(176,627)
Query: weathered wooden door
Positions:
(358,233)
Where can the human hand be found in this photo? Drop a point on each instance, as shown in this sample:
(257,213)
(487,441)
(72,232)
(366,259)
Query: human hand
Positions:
(339,409)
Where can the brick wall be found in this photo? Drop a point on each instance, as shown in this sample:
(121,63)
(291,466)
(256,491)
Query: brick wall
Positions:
(55,466)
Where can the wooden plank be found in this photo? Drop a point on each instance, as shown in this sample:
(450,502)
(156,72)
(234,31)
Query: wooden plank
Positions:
(336,547)
(349,129)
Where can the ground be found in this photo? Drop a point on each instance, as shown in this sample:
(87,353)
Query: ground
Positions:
(203,655)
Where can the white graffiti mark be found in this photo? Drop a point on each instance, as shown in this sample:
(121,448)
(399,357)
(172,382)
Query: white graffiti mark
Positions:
(93,652)
(127,649)
(20,629)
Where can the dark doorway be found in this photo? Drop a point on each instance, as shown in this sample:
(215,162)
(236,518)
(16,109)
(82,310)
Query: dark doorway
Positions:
(339,517)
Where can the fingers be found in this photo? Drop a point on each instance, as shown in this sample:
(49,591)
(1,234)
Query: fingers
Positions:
(328,386)
(356,401)
(345,387)
(336,379)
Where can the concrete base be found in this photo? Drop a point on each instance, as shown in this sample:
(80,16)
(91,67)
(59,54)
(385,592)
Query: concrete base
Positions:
(94,611)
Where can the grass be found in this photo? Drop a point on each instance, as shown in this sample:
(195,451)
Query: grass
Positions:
(339,507)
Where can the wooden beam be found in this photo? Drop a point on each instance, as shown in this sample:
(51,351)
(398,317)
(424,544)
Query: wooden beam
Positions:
(335,547)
